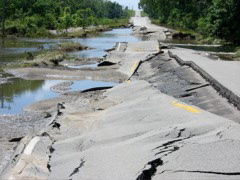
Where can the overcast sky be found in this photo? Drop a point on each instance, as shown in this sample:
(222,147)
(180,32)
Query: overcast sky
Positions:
(129,3)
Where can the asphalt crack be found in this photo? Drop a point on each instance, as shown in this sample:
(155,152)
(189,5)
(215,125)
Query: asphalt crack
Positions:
(180,132)
(148,173)
(202,86)
(76,170)
(212,172)
(168,148)
(18,139)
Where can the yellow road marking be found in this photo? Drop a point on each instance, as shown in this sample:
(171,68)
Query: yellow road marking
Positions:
(134,66)
(128,81)
(188,108)
(119,45)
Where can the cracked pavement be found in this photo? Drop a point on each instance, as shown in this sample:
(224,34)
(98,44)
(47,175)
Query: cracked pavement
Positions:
(132,131)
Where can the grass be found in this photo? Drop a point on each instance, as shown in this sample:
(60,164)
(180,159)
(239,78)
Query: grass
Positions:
(143,14)
(86,32)
(103,26)
(1,69)
(20,65)
(70,47)
(46,59)
(238,54)
(49,58)
(200,39)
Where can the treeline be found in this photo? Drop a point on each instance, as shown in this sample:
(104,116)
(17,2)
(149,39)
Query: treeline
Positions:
(26,17)
(215,18)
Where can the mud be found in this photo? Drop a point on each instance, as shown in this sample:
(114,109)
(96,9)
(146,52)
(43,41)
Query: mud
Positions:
(63,73)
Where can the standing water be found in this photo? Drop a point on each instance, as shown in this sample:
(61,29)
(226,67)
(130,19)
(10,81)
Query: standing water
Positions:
(19,93)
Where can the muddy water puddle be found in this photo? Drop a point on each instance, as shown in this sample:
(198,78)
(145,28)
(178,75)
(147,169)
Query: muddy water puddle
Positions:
(19,93)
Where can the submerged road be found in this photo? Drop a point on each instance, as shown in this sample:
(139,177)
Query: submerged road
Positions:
(132,131)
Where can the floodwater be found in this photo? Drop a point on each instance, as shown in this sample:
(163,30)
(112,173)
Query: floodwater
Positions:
(94,65)
(13,49)
(225,53)
(19,93)
(104,41)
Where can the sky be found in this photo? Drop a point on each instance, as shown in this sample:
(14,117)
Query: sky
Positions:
(129,3)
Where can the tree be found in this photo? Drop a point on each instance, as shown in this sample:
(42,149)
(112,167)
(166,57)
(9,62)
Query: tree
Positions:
(66,19)
(3,18)
(24,16)
(217,18)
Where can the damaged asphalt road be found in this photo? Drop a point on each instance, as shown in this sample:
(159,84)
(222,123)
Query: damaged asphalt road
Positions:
(186,85)
(140,129)
(118,134)
(133,131)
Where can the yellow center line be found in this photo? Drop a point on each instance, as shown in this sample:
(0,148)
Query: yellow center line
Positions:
(134,66)
(186,107)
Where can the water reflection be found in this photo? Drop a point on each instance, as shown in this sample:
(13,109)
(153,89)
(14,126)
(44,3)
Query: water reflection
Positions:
(95,65)
(12,49)
(17,89)
(104,41)
(19,93)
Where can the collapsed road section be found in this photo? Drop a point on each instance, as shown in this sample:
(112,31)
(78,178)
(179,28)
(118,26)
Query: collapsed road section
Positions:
(132,131)
(140,129)
(224,76)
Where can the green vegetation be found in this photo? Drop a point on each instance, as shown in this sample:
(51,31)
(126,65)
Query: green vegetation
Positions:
(131,13)
(103,25)
(48,58)
(143,14)
(238,54)
(70,47)
(36,17)
(51,58)
(218,19)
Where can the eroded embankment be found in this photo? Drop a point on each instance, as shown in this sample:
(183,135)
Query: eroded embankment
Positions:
(132,131)
(222,90)
(115,64)
(183,83)
(118,134)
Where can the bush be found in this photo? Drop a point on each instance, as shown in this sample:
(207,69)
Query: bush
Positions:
(16,27)
(70,46)
(238,54)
